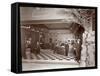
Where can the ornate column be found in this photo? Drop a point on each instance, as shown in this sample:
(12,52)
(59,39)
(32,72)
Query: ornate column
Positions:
(90,62)
(88,50)
(84,50)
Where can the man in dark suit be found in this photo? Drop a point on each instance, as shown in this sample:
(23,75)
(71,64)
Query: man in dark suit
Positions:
(77,47)
(66,49)
(38,48)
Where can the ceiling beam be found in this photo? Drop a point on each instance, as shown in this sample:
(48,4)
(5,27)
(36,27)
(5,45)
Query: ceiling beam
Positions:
(50,21)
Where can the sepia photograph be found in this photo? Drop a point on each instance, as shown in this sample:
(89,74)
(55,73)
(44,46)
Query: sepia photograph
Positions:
(56,38)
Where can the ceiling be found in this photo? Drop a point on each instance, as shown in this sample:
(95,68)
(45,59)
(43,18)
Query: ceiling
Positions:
(53,18)
(59,15)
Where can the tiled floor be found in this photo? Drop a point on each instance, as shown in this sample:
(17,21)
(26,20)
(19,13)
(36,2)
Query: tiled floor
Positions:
(48,60)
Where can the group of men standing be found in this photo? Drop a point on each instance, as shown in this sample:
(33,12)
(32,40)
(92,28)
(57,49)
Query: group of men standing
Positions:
(72,49)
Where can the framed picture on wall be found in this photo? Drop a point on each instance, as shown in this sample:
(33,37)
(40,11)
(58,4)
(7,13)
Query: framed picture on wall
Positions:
(44,37)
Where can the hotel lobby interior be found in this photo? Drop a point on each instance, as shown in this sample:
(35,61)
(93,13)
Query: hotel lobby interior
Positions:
(53,38)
